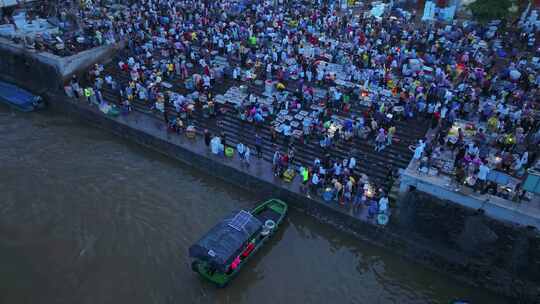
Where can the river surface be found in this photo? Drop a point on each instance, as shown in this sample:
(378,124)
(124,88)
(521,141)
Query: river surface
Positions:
(86,217)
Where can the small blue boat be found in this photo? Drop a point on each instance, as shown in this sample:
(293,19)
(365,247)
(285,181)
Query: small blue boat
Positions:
(19,98)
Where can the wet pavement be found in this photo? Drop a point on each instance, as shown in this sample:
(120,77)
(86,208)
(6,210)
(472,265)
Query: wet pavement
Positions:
(86,217)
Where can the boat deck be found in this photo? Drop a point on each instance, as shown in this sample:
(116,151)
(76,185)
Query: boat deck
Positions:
(268,214)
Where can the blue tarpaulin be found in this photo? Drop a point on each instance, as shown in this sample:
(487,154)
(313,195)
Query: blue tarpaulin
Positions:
(17,97)
(498,177)
(532,182)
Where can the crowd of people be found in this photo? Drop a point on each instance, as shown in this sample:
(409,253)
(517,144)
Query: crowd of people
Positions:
(392,68)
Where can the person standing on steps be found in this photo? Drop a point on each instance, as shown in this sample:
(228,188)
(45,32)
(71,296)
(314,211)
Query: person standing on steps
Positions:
(241,149)
(315,180)
(383,203)
(207,138)
(275,162)
(352,163)
(247,155)
(224,139)
(258,145)
(380,140)
(165,114)
(273,136)
(75,86)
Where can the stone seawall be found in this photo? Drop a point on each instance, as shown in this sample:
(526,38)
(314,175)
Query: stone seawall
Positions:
(27,69)
(500,255)
(43,71)
(442,236)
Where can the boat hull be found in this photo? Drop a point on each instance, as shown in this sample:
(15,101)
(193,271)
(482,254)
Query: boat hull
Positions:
(221,279)
(19,98)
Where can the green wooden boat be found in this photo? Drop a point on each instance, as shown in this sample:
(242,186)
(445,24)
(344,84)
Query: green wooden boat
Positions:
(228,246)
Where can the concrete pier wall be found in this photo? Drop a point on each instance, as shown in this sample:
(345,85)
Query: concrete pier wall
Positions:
(483,247)
(524,213)
(27,69)
(43,71)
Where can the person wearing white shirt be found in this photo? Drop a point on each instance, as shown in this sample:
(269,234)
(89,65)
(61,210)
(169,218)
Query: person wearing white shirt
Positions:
(520,162)
(269,70)
(337,169)
(178,100)
(315,183)
(337,95)
(247,155)
(322,172)
(215,145)
(525,158)
(419,150)
(241,149)
(431,108)
(502,109)
(221,44)
(309,75)
(516,115)
(383,204)
(444,110)
(206,81)
(108,79)
(202,62)
(472,149)
(352,163)
(320,75)
(482,175)
(275,162)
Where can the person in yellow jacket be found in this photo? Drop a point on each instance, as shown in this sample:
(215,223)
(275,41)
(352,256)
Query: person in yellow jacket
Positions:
(493,123)
(509,139)
(170,69)
(390,135)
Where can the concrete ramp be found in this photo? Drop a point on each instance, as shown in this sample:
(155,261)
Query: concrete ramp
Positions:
(45,70)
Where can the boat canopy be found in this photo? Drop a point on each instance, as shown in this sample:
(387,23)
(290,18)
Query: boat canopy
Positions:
(221,244)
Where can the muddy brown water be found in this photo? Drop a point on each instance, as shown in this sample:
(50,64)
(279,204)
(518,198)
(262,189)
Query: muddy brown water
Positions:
(86,217)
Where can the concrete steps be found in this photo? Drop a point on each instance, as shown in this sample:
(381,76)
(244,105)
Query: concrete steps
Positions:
(377,165)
